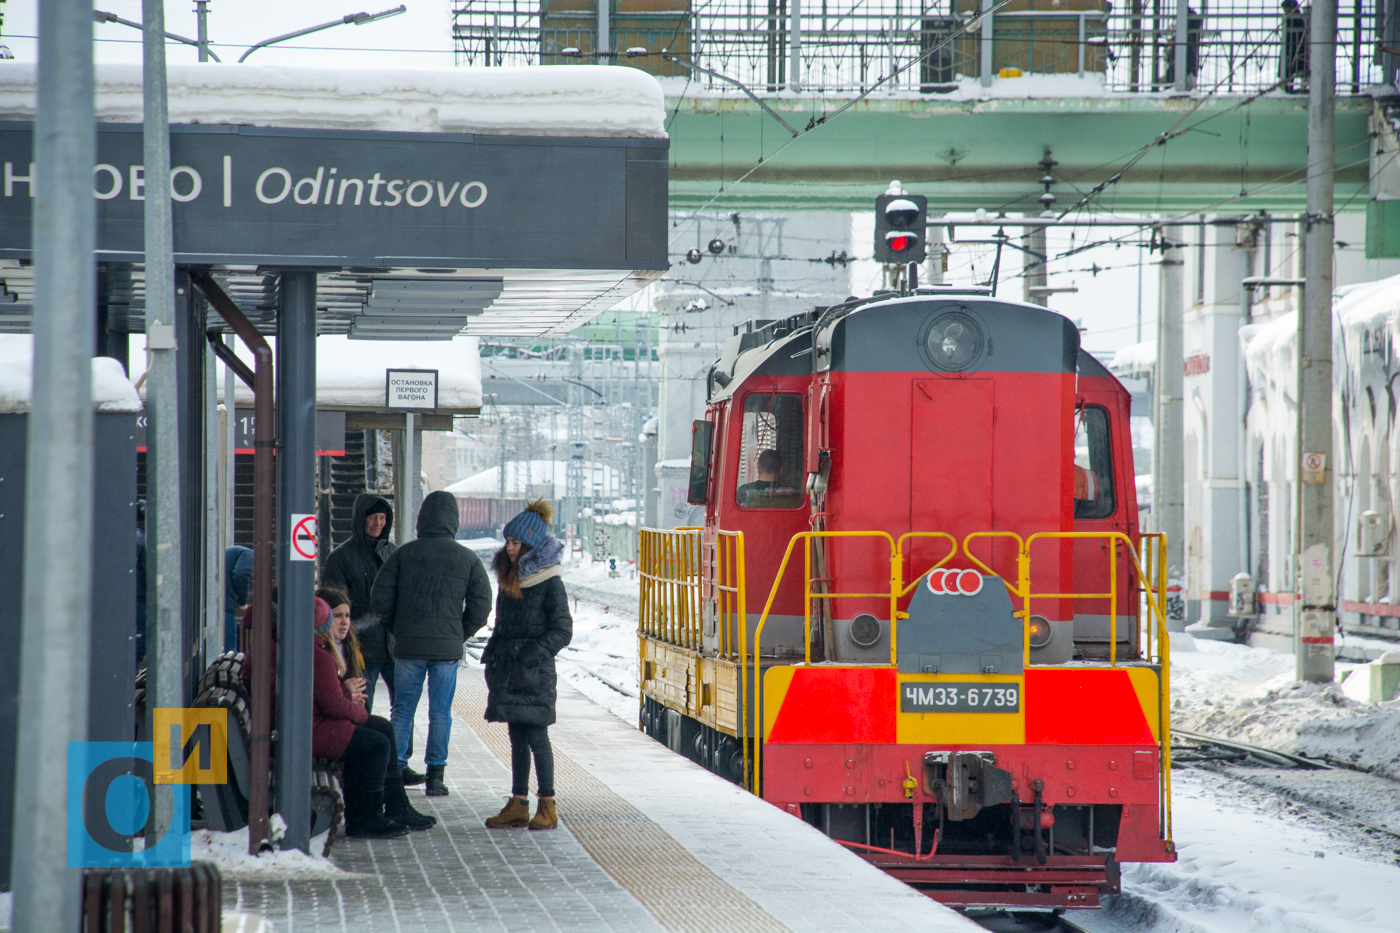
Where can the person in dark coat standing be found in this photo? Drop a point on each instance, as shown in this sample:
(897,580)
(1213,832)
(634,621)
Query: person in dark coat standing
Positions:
(341,730)
(431,595)
(533,625)
(352,567)
(238,577)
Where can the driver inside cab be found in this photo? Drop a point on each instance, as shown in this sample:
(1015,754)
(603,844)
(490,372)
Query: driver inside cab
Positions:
(765,491)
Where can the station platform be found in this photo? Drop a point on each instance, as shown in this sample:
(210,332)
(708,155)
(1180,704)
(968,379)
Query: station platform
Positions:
(648,841)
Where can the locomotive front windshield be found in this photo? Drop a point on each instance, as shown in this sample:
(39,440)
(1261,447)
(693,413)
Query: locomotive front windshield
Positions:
(770,452)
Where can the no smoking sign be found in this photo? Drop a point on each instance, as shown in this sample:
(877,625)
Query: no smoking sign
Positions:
(303,537)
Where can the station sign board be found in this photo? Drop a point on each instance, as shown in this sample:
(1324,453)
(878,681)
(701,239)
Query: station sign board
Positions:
(411,389)
(335,198)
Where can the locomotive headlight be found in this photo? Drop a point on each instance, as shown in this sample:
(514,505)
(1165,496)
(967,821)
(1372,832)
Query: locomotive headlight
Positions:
(954,341)
(1040,631)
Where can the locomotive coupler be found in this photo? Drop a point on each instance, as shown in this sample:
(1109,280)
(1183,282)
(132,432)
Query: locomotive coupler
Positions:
(965,782)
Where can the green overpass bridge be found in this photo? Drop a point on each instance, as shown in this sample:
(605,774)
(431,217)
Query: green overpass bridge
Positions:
(1236,154)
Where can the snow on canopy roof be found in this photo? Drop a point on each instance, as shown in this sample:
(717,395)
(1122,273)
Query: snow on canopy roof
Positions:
(488,482)
(560,100)
(350,373)
(111,390)
(1134,360)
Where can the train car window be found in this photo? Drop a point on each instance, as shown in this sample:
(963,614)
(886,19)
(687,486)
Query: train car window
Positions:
(1093,465)
(771,448)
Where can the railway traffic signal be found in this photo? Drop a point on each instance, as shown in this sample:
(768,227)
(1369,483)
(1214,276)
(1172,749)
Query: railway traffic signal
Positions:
(900,220)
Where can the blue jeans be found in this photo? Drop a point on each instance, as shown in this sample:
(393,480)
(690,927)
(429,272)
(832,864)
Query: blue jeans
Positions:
(408,687)
(373,671)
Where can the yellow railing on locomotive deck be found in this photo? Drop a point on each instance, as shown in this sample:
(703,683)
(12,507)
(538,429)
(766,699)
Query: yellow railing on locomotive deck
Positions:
(1151,598)
(673,605)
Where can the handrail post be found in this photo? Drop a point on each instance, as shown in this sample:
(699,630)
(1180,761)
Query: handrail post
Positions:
(807,603)
(1112,600)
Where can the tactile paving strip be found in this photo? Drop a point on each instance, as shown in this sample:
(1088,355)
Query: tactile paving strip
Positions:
(672,884)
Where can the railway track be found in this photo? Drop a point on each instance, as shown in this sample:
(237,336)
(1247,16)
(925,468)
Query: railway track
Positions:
(1368,801)
(1027,922)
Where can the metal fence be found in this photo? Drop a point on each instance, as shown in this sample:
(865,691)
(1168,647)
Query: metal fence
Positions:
(1246,46)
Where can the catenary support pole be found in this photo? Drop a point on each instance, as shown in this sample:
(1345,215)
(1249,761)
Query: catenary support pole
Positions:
(164,626)
(56,595)
(986,45)
(1242,405)
(795,45)
(296,484)
(1168,485)
(1181,81)
(201,12)
(1034,280)
(1316,548)
(604,32)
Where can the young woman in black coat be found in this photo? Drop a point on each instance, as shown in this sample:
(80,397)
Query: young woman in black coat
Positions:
(532,626)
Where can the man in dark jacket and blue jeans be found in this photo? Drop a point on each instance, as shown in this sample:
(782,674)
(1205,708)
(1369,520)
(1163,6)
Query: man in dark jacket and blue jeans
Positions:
(353,567)
(430,597)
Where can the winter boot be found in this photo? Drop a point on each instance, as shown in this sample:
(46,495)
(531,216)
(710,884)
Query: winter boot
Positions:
(370,822)
(515,813)
(412,778)
(398,809)
(545,817)
(435,788)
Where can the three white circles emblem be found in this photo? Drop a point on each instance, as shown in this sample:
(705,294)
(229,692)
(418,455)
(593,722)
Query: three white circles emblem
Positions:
(949,581)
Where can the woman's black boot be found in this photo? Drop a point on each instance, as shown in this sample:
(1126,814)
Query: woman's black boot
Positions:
(398,809)
(369,821)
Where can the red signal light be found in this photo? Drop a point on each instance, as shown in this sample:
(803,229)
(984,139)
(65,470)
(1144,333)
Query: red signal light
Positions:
(900,242)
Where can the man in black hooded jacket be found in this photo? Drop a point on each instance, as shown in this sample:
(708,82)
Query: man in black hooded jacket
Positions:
(353,567)
(431,595)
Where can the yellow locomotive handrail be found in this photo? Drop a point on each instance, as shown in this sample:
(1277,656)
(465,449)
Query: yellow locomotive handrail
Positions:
(1152,596)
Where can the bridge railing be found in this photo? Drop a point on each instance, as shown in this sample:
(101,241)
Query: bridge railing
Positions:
(1245,46)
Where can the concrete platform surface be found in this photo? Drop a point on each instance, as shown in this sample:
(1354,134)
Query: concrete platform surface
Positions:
(648,842)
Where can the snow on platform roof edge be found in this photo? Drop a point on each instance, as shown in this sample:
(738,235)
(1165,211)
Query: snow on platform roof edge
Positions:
(557,100)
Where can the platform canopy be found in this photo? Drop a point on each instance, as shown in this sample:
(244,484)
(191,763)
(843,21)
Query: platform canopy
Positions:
(503,201)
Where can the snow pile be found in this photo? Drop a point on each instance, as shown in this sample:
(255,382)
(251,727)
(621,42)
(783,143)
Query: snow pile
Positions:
(229,851)
(1248,861)
(1138,359)
(563,100)
(111,390)
(1250,694)
(1028,87)
(350,373)
(522,474)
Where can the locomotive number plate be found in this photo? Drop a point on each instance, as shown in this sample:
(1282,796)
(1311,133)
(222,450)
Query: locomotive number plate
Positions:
(945,697)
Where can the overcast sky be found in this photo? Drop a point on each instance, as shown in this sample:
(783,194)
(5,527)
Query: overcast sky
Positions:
(1106,304)
(419,38)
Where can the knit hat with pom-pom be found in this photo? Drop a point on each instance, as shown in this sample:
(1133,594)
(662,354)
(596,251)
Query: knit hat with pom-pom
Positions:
(532,526)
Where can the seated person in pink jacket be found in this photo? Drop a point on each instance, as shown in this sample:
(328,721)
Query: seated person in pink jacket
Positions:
(376,805)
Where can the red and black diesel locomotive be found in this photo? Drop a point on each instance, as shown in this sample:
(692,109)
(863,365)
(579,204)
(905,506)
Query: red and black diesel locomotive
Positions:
(920,614)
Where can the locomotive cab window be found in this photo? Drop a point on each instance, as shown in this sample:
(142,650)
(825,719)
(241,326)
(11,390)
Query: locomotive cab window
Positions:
(1093,465)
(770,452)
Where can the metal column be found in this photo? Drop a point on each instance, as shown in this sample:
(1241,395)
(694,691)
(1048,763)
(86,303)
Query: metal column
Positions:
(987,41)
(1168,480)
(1179,48)
(296,580)
(795,46)
(164,553)
(1316,548)
(1034,280)
(56,613)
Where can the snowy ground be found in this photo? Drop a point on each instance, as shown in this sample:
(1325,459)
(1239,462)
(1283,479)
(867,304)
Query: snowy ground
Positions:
(1249,858)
